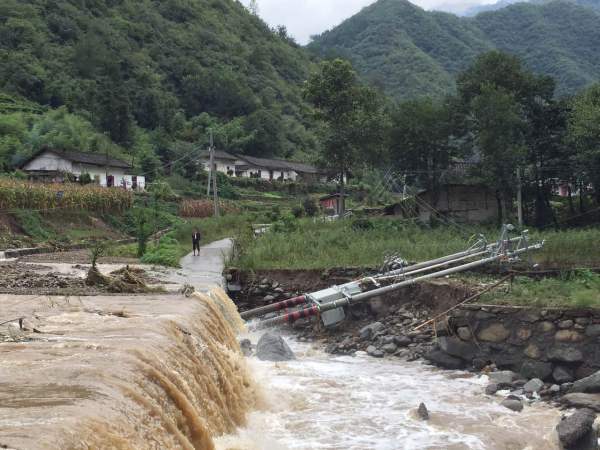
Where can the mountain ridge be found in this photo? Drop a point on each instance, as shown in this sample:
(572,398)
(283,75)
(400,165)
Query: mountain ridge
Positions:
(410,52)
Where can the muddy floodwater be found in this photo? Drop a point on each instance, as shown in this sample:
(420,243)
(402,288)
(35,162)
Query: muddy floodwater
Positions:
(165,372)
(321,401)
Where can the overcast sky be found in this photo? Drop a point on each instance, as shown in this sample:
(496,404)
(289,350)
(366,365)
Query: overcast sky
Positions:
(304,18)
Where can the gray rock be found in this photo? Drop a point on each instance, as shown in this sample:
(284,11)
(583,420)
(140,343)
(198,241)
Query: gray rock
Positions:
(269,298)
(513,405)
(271,347)
(575,429)
(460,349)
(491,389)
(593,330)
(423,412)
(495,332)
(587,384)
(389,348)
(374,352)
(402,341)
(565,353)
(387,339)
(246,347)
(369,331)
(533,385)
(536,369)
(519,383)
(442,359)
(577,400)
(563,324)
(562,374)
(503,376)
(464,333)
(554,389)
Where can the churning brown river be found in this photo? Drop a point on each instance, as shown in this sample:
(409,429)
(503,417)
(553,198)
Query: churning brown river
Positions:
(163,372)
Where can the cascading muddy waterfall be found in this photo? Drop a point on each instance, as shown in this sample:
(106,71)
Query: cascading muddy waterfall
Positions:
(202,388)
(178,391)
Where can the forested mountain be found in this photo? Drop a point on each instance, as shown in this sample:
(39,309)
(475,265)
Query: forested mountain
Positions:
(474,10)
(411,52)
(154,72)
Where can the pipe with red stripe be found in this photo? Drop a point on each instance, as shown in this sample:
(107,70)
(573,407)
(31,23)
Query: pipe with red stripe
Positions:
(291,317)
(285,304)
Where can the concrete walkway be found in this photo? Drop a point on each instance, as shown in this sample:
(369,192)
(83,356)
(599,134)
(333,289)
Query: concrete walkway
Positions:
(205,272)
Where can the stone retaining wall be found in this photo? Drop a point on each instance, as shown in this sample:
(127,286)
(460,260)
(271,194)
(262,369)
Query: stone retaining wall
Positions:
(558,345)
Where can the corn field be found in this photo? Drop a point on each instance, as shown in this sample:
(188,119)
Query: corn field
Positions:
(200,209)
(16,194)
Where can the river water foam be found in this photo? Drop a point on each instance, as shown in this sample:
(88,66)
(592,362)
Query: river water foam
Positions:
(361,403)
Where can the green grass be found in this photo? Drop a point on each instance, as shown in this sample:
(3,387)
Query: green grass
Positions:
(574,289)
(316,245)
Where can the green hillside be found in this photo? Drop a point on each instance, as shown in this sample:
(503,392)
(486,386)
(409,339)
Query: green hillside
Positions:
(412,52)
(157,71)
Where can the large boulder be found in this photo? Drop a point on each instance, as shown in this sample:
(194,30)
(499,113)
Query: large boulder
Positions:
(536,369)
(513,404)
(503,377)
(562,374)
(443,359)
(576,431)
(458,348)
(271,347)
(534,385)
(587,384)
(495,332)
(369,331)
(565,353)
(578,400)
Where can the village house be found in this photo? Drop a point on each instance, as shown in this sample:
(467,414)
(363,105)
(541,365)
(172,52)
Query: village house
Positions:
(267,169)
(332,204)
(458,202)
(57,166)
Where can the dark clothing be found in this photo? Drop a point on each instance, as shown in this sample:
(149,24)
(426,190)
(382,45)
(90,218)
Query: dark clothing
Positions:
(196,237)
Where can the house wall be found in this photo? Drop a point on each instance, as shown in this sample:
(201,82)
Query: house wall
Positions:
(50,162)
(463,203)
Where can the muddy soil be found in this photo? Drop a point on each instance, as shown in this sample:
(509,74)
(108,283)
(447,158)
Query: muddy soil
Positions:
(21,278)
(77,257)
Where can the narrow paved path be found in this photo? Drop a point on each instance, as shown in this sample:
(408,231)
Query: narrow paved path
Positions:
(206,271)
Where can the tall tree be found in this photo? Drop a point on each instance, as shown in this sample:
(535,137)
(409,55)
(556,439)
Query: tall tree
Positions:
(525,102)
(499,126)
(354,117)
(584,131)
(421,141)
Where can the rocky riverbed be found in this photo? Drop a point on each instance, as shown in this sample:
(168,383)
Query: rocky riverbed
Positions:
(389,328)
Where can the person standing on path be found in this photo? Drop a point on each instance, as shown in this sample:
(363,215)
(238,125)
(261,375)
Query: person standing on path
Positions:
(196,237)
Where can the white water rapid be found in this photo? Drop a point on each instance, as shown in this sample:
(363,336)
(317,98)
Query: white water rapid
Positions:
(324,402)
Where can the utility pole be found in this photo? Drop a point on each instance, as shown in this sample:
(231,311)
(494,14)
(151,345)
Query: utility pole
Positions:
(214,175)
(519,197)
(210,166)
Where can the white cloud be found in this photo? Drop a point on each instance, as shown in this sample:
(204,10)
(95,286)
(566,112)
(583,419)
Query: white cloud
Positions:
(304,18)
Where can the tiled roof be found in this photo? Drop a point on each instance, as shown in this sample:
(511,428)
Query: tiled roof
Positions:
(93,159)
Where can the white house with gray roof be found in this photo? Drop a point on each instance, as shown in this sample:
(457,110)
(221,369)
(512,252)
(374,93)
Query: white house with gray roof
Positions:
(57,166)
